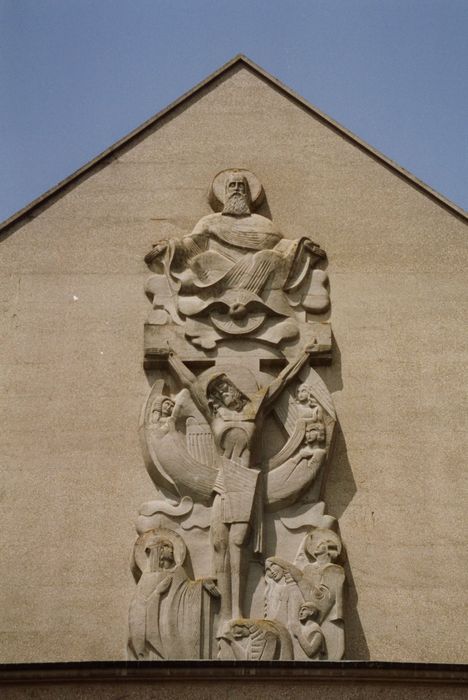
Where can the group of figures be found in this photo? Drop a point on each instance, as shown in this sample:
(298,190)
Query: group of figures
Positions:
(237,433)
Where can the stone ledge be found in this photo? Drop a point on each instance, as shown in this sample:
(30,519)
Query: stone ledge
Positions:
(200,671)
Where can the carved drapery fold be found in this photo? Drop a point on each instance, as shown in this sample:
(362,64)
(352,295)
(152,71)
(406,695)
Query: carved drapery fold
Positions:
(237,433)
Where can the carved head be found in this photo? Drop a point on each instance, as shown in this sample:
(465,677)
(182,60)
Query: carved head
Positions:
(162,407)
(236,195)
(323,545)
(304,395)
(158,549)
(161,555)
(274,570)
(314,432)
(240,630)
(221,391)
(308,611)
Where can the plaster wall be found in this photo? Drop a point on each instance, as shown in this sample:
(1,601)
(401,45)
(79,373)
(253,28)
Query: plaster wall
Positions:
(72,382)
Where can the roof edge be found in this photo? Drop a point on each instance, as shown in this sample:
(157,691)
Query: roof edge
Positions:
(27,211)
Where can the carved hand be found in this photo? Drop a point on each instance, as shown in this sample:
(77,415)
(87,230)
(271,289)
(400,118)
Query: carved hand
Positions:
(210,586)
(156,251)
(312,347)
(305,453)
(315,249)
(319,591)
(164,585)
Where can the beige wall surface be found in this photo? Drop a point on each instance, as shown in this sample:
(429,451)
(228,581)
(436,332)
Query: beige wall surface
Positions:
(72,381)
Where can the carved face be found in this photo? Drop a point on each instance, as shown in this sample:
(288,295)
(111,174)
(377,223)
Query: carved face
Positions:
(302,393)
(315,432)
(236,184)
(166,555)
(162,408)
(240,631)
(227,394)
(237,196)
(326,549)
(274,571)
(307,611)
(167,407)
(161,555)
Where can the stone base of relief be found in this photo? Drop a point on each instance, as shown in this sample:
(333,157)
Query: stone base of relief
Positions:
(235,556)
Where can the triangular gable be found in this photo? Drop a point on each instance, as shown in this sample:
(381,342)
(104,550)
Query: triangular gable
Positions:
(238,61)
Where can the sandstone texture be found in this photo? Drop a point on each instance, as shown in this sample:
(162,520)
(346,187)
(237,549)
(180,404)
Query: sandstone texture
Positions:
(72,382)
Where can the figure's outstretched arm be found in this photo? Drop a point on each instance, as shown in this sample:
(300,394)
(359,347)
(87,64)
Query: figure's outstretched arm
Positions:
(294,573)
(189,381)
(180,371)
(183,248)
(288,374)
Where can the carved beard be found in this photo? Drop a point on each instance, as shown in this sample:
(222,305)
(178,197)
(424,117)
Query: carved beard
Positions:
(236,204)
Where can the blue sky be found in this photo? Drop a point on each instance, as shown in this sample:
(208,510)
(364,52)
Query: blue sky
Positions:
(77,75)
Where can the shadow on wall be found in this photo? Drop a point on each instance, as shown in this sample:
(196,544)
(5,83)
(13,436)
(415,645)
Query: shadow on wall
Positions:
(340,491)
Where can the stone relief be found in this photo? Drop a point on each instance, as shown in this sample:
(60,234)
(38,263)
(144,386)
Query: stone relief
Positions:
(169,610)
(307,596)
(236,276)
(237,434)
(255,640)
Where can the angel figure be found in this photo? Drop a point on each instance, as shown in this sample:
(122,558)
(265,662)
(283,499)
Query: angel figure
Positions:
(289,480)
(311,403)
(321,583)
(178,446)
(161,412)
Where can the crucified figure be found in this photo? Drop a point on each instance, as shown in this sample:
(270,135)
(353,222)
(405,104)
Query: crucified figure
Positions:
(235,419)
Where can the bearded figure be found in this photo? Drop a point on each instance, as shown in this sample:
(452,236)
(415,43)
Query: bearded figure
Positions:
(235,270)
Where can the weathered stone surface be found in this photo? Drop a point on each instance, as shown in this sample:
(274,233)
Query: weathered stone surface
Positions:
(73,383)
(234,273)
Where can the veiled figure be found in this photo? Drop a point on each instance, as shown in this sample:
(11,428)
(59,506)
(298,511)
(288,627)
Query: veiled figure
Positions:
(167,610)
(307,596)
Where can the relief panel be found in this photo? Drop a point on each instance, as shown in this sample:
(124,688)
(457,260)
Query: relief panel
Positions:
(237,436)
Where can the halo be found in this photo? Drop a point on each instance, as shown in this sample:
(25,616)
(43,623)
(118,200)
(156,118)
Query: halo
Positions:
(216,193)
(318,535)
(242,377)
(151,537)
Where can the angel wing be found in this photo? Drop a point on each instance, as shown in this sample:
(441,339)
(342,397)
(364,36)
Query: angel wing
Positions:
(288,414)
(198,435)
(169,460)
(199,440)
(286,409)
